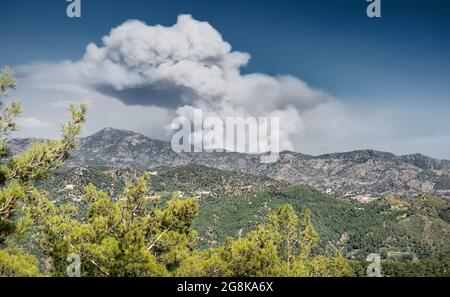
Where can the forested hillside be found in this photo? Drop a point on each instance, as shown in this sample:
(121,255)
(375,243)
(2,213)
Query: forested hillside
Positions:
(232,204)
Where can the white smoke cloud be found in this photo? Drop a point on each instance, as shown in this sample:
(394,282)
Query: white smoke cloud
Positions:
(146,75)
(187,64)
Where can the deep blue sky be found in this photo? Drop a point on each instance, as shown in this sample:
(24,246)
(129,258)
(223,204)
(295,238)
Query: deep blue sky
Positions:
(331,44)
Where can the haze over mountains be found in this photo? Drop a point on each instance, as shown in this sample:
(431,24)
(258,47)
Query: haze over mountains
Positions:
(364,173)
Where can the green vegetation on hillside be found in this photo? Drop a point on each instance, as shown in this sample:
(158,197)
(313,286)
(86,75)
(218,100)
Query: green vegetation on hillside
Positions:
(353,228)
(232,204)
(136,235)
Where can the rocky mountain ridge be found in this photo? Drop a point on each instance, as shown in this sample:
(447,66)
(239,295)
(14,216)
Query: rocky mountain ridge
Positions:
(359,174)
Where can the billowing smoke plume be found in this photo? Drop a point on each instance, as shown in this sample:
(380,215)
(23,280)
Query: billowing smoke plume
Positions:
(185,66)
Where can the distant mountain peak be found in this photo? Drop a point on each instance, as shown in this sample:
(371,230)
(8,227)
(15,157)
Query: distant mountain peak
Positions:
(109,131)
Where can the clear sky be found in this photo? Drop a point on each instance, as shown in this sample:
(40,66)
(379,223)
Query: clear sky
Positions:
(387,79)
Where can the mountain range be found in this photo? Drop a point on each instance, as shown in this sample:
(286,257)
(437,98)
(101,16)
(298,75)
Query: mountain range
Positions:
(362,174)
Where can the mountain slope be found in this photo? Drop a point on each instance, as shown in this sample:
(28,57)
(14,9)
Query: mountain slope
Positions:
(232,203)
(364,172)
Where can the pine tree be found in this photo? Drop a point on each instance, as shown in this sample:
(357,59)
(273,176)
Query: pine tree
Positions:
(285,224)
(132,235)
(18,174)
(308,236)
(281,247)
